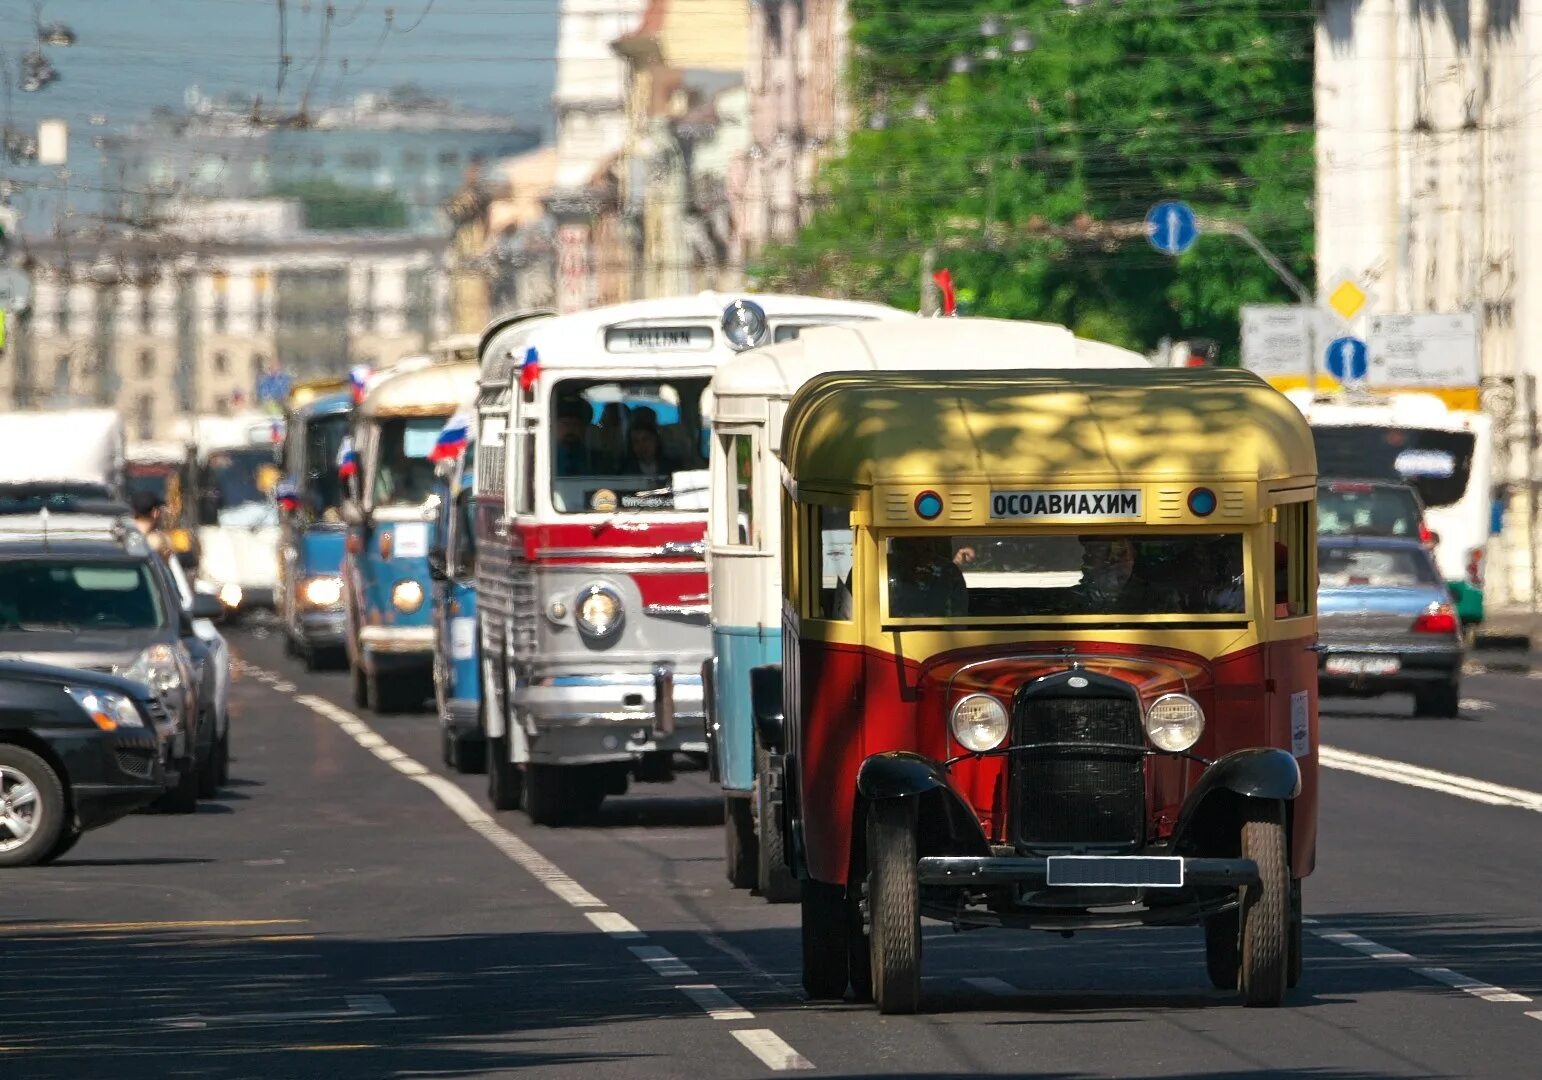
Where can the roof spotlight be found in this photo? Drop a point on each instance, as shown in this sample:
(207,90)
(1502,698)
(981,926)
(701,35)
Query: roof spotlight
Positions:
(745,325)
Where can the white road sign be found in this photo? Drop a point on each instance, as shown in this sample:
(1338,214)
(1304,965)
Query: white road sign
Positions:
(1277,338)
(1423,350)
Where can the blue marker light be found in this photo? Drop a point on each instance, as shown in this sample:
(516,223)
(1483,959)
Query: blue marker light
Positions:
(1201,502)
(928,505)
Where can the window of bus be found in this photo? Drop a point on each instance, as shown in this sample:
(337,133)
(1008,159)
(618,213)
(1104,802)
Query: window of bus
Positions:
(1293,545)
(1437,464)
(623,445)
(235,487)
(738,525)
(323,488)
(828,557)
(404,475)
(1103,573)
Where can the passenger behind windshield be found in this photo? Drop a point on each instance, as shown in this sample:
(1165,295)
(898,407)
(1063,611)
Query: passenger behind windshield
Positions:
(1007,576)
(404,475)
(620,445)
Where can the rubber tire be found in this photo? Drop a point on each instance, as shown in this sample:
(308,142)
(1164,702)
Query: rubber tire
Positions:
(505,784)
(51,805)
(446,748)
(1222,949)
(67,840)
(826,934)
(222,753)
(182,799)
(773,881)
(894,905)
(209,767)
(360,680)
(1265,915)
(739,846)
(1293,976)
(1443,701)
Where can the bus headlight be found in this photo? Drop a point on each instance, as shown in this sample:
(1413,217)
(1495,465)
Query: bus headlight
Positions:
(1174,722)
(406,596)
(322,592)
(979,723)
(599,611)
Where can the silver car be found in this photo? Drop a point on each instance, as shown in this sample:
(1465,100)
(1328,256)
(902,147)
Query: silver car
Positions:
(1386,623)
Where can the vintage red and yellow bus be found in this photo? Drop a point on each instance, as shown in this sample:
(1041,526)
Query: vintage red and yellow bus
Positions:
(1048,663)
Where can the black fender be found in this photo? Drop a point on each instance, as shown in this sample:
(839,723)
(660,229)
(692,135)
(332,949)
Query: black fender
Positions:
(1256,773)
(948,825)
(766,706)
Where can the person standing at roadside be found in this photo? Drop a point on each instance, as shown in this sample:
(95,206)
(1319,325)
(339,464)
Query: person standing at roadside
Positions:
(149,513)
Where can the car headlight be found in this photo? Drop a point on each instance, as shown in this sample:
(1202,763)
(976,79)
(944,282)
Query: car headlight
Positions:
(157,668)
(1174,722)
(599,611)
(979,723)
(406,596)
(107,709)
(322,591)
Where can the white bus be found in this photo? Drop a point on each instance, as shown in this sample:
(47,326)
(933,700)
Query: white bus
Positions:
(1444,454)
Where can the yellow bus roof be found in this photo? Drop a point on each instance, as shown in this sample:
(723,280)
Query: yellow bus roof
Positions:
(852,430)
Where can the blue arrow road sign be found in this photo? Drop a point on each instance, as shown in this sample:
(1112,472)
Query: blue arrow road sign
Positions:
(1346,359)
(1172,227)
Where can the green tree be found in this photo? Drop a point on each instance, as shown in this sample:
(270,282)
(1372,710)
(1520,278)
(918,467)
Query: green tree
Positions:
(1028,170)
(330,206)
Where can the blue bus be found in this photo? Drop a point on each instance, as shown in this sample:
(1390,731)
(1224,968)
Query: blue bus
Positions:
(457,655)
(310,601)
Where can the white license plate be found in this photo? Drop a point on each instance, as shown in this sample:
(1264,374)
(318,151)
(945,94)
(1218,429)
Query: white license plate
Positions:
(1364,665)
(1119,871)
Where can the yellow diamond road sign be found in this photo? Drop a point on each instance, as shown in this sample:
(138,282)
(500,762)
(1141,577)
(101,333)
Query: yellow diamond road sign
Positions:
(1347,299)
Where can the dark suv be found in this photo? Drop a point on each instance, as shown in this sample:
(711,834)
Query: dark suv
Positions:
(78,750)
(82,589)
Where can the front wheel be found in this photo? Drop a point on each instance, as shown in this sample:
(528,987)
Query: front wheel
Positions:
(894,905)
(211,767)
(31,807)
(183,797)
(503,776)
(739,852)
(1265,914)
(773,880)
(826,930)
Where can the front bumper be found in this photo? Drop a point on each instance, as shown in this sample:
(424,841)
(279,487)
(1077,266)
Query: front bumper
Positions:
(323,629)
(112,775)
(1033,872)
(398,649)
(597,718)
(1416,668)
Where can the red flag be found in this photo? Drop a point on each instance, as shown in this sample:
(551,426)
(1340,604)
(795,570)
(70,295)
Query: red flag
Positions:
(944,280)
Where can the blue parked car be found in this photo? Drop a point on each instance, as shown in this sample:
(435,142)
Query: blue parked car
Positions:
(457,657)
(391,517)
(310,601)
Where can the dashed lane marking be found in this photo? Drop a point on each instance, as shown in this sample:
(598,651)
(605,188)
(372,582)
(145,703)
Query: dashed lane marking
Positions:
(1486,991)
(996,987)
(1472,704)
(770,1048)
(1377,951)
(1401,772)
(1361,945)
(766,1045)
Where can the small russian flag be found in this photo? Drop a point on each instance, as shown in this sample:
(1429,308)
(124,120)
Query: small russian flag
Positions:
(288,497)
(452,439)
(276,433)
(347,459)
(530,370)
(358,377)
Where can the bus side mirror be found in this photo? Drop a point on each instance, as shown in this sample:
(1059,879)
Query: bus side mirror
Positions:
(766,704)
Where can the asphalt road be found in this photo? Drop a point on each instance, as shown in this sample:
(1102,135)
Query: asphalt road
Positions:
(348,909)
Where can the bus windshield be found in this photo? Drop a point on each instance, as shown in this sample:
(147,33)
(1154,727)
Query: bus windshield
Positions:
(323,491)
(404,475)
(1437,464)
(236,485)
(621,445)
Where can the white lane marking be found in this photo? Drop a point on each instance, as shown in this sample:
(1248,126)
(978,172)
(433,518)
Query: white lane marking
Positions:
(1472,704)
(1475,987)
(358,1007)
(664,963)
(1361,945)
(1535,1015)
(614,924)
(283,687)
(998,987)
(1401,772)
(714,1002)
(768,1046)
(717,1004)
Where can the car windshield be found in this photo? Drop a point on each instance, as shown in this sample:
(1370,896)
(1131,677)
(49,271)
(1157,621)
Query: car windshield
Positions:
(404,475)
(323,491)
(623,445)
(1375,568)
(78,595)
(1096,574)
(1350,509)
(1436,464)
(236,487)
